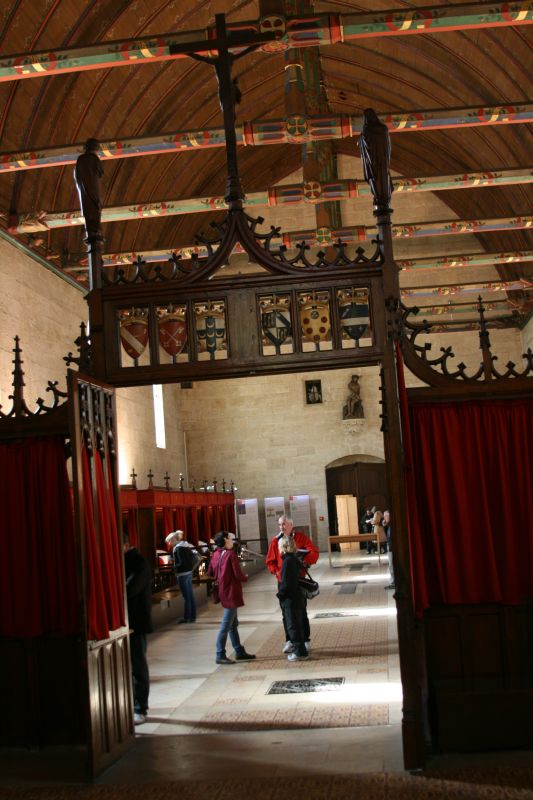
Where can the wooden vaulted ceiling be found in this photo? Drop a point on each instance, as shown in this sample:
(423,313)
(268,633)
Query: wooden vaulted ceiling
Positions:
(476,68)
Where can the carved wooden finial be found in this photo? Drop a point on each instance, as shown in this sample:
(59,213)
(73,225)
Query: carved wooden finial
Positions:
(232,486)
(181,482)
(150,477)
(215,484)
(193,484)
(19,404)
(204,485)
(83,360)
(133,476)
(223,484)
(166,478)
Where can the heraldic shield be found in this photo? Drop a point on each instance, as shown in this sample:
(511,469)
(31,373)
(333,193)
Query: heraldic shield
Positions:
(276,325)
(172,332)
(134,334)
(354,319)
(315,321)
(211,331)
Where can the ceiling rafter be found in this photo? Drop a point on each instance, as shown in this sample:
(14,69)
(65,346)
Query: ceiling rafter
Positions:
(287,130)
(301,31)
(312,193)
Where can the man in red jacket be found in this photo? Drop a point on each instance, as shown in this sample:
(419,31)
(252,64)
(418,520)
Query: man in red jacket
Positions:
(308,553)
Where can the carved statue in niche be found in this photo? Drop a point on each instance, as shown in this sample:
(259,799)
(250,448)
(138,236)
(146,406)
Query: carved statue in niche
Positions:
(374,143)
(87,174)
(353,409)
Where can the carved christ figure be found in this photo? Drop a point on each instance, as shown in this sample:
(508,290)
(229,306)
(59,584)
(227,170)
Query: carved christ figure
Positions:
(374,143)
(354,405)
(87,174)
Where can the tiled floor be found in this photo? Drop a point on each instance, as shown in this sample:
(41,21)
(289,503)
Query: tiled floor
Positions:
(201,713)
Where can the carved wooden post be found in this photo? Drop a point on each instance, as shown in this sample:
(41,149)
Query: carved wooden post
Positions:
(133,476)
(375,152)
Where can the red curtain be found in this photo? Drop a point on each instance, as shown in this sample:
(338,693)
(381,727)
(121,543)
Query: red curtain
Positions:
(105,606)
(168,525)
(231,523)
(216,519)
(472,476)
(193,526)
(109,545)
(205,524)
(132,527)
(180,519)
(37,552)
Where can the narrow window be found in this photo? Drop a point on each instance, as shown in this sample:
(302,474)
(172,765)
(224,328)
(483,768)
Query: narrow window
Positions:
(159,416)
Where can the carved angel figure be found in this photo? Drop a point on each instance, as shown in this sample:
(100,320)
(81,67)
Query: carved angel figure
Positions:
(374,144)
(87,174)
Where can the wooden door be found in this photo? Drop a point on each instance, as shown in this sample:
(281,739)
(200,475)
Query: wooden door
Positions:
(364,480)
(106,668)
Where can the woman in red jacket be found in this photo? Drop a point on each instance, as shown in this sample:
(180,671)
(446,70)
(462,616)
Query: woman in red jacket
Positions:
(224,567)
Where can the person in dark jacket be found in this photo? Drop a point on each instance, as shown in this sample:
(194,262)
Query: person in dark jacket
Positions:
(184,558)
(225,569)
(139,595)
(291,599)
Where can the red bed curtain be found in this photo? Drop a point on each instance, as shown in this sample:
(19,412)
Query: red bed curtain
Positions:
(470,493)
(37,552)
(105,607)
(133,534)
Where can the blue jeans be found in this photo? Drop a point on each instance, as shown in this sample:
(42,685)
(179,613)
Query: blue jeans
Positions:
(229,624)
(185,584)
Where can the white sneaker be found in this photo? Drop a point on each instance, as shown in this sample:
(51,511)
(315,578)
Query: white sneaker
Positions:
(138,719)
(288,648)
(295,657)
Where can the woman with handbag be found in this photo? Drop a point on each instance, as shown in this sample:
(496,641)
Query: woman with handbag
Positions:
(291,598)
(225,569)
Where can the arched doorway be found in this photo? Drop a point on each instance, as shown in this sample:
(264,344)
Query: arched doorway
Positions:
(360,475)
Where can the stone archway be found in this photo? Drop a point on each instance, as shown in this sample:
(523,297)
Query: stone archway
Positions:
(361,475)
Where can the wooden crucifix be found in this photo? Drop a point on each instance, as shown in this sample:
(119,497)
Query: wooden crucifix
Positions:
(228,91)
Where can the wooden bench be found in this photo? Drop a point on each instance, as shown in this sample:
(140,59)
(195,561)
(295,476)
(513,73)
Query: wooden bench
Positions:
(354,537)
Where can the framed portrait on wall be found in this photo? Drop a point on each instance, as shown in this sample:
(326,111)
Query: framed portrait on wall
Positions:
(313,392)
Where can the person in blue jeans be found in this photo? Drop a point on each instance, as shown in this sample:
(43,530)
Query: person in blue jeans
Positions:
(225,569)
(184,556)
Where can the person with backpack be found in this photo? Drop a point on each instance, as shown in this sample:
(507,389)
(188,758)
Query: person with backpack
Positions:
(186,560)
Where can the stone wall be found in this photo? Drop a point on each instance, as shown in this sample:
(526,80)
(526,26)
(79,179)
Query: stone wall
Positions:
(45,311)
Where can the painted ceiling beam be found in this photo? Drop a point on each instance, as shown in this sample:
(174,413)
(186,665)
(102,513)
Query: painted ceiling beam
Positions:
(351,235)
(465,290)
(296,31)
(464,308)
(462,260)
(287,130)
(311,192)
(437,262)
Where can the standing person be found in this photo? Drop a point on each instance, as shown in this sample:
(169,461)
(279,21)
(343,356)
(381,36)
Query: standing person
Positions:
(291,598)
(387,529)
(183,555)
(308,552)
(365,524)
(378,529)
(139,596)
(225,569)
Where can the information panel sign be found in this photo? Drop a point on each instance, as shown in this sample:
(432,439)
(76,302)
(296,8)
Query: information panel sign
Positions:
(274,508)
(248,520)
(300,511)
